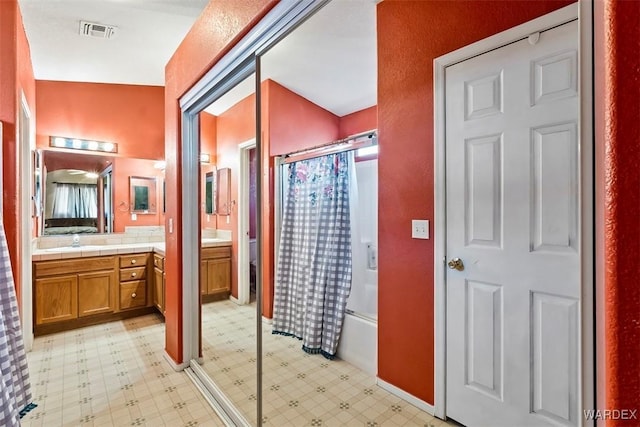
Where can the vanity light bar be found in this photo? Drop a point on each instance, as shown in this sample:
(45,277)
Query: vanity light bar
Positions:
(83,144)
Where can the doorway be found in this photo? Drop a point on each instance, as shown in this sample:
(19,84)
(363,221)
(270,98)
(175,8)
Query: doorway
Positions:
(517,346)
(247,207)
(28,212)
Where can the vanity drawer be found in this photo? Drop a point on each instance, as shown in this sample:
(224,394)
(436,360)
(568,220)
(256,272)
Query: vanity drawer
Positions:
(216,252)
(133,294)
(134,260)
(158,262)
(133,273)
(72,266)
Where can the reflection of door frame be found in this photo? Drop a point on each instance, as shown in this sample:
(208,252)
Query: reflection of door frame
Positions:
(244,183)
(25,172)
(106,176)
(583,11)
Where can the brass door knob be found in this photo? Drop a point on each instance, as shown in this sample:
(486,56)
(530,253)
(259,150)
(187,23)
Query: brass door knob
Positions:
(456,264)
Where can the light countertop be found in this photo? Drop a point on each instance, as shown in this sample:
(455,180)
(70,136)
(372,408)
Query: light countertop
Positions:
(66,252)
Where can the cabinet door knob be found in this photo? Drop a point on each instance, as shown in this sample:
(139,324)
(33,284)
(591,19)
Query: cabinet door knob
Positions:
(133,274)
(133,261)
(133,295)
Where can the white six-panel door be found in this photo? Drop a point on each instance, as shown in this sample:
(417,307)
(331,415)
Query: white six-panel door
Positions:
(512,214)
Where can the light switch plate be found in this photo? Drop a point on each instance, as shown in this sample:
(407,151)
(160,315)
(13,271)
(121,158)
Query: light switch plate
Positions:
(419,228)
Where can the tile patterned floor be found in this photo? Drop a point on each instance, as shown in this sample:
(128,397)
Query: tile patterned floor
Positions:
(299,389)
(112,374)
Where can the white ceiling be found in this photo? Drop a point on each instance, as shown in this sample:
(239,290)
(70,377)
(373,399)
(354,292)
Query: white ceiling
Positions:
(330,59)
(148,33)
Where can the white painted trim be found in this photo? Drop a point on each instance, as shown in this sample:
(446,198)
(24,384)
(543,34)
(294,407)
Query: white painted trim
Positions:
(175,366)
(222,403)
(545,22)
(275,25)
(277,209)
(191,311)
(244,292)
(583,11)
(27,144)
(418,403)
(209,397)
(585,57)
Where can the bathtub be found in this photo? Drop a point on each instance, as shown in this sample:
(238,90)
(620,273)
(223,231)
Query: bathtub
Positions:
(359,340)
(359,343)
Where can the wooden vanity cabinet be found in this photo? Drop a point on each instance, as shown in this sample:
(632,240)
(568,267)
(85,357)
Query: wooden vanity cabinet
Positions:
(215,273)
(95,293)
(158,282)
(133,281)
(76,292)
(56,299)
(68,291)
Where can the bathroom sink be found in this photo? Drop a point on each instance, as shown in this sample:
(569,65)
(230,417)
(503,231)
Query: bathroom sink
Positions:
(72,249)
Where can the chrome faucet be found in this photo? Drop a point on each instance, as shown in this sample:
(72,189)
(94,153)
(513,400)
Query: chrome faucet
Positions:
(76,241)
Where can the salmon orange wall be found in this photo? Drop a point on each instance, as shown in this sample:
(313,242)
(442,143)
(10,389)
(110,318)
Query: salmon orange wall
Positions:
(359,121)
(290,123)
(219,26)
(208,135)
(130,115)
(235,126)
(123,169)
(410,36)
(16,77)
(617,132)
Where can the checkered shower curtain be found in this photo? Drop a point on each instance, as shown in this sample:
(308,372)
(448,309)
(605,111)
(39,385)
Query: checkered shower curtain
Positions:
(313,278)
(15,390)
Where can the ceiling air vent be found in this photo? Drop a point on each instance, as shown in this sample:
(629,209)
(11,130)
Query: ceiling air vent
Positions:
(100,31)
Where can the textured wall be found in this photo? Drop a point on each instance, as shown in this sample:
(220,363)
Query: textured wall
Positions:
(130,115)
(411,34)
(218,27)
(16,78)
(617,57)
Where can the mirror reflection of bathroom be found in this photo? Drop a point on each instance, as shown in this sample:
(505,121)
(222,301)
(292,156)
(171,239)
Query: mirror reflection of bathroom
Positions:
(320,336)
(228,312)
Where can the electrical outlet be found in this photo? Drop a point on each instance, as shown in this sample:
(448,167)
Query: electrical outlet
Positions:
(419,228)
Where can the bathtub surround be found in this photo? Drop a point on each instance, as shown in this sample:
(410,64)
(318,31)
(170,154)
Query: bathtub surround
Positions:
(359,340)
(314,265)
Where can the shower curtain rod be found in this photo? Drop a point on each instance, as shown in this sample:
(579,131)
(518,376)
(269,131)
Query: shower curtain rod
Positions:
(345,144)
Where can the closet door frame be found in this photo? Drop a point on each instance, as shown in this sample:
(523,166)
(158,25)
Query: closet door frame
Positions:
(239,63)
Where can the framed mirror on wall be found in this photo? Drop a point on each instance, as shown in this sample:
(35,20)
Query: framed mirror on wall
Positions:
(210,192)
(223,192)
(143,197)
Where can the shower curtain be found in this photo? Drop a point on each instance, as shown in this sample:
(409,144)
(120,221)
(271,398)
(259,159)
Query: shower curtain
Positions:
(313,278)
(15,390)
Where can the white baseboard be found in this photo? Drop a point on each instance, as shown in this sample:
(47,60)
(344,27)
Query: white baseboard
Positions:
(176,366)
(234,300)
(420,404)
(267,320)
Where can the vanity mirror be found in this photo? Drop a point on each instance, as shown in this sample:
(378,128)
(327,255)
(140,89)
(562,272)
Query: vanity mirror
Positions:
(223,199)
(143,194)
(210,192)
